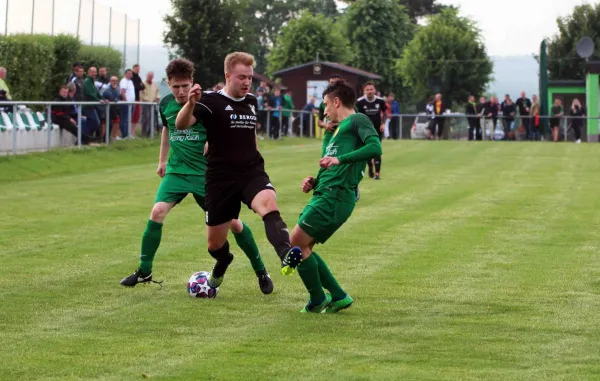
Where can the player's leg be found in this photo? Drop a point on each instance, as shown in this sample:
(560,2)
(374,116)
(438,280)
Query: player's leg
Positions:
(377,161)
(245,240)
(218,248)
(371,169)
(259,195)
(171,191)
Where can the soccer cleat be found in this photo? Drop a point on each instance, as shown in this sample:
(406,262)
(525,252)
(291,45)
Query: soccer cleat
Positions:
(340,305)
(356,194)
(264,282)
(291,260)
(138,277)
(214,282)
(377,177)
(319,308)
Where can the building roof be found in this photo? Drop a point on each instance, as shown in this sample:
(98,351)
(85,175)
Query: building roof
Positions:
(333,65)
(263,78)
(566,83)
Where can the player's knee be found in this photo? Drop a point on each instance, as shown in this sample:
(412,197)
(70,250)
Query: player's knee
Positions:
(236,226)
(266,204)
(159,212)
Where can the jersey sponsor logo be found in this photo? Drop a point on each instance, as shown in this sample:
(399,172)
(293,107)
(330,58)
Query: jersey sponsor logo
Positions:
(228,108)
(233,117)
(253,109)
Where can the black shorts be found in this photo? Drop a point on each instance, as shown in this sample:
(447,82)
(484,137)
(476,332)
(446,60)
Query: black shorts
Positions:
(224,196)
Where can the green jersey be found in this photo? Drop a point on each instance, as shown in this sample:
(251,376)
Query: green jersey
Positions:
(327,135)
(354,142)
(186,156)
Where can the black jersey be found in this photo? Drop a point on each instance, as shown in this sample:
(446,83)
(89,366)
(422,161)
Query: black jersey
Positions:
(372,109)
(230,125)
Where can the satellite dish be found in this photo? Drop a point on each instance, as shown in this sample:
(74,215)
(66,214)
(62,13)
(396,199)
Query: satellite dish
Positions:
(585,48)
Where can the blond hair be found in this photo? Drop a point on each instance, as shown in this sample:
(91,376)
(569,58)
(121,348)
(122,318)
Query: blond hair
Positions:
(235,58)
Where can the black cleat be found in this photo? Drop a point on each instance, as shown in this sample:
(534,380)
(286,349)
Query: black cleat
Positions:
(138,277)
(264,282)
(377,177)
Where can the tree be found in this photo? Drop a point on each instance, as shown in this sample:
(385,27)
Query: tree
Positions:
(448,57)
(299,41)
(563,61)
(265,18)
(205,31)
(417,8)
(378,31)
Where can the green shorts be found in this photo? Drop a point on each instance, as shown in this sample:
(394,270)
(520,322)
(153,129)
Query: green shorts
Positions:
(174,188)
(323,216)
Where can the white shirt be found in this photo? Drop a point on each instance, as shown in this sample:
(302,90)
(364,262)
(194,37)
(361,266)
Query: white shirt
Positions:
(127,84)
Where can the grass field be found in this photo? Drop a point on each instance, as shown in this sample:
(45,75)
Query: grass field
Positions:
(467,261)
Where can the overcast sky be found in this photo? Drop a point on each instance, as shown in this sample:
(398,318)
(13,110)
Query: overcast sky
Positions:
(509,27)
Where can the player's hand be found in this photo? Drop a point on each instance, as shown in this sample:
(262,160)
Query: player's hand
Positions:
(330,126)
(329,161)
(162,169)
(382,128)
(195,94)
(205,148)
(307,184)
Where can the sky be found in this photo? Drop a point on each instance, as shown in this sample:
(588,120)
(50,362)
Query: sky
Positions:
(509,27)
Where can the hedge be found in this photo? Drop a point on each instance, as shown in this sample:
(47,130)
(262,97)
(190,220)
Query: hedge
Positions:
(38,64)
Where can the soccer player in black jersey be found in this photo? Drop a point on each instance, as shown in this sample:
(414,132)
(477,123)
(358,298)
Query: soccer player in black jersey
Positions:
(235,170)
(373,107)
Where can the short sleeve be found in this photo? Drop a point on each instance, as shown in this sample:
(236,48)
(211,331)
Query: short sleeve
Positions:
(364,128)
(202,111)
(384,107)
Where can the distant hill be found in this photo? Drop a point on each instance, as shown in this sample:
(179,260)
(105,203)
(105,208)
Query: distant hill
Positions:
(511,74)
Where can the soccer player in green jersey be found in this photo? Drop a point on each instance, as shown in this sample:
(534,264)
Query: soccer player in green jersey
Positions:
(183,174)
(329,126)
(353,143)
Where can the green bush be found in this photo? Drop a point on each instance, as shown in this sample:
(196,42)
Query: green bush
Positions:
(66,50)
(29,60)
(102,56)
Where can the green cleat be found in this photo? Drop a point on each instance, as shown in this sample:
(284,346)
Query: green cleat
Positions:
(318,309)
(340,305)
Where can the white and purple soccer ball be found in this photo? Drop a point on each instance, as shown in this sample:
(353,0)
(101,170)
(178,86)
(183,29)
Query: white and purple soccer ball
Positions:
(198,287)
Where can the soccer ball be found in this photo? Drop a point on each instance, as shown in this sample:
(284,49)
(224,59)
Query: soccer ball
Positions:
(198,287)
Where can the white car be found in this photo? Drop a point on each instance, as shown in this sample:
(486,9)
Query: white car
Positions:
(418,130)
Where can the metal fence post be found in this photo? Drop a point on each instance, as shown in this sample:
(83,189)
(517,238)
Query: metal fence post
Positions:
(400,127)
(125,43)
(79,125)
(109,26)
(152,118)
(311,124)
(108,122)
(49,124)
(6,19)
(93,14)
(14,130)
(52,30)
(32,15)
(130,109)
(79,18)
(268,123)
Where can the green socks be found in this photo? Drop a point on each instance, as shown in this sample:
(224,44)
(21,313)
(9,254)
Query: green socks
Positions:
(245,241)
(308,270)
(328,280)
(150,243)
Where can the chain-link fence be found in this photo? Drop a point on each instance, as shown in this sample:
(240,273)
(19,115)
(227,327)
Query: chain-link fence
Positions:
(94,24)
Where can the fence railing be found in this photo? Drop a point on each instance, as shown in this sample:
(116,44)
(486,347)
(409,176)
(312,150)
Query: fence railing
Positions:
(25,129)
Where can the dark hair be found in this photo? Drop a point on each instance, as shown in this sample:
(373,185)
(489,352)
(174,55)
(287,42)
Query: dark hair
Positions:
(180,68)
(335,76)
(136,65)
(128,70)
(343,91)
(369,83)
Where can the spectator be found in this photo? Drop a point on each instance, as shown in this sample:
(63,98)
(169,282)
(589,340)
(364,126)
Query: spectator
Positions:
(263,86)
(102,80)
(307,112)
(490,115)
(78,81)
(3,98)
(436,128)
(3,85)
(138,86)
(91,94)
(394,116)
(578,112)
(508,114)
(556,113)
(219,86)
(524,107)
(149,94)
(113,95)
(63,115)
(127,95)
(535,121)
(275,103)
(288,104)
(472,114)
(73,71)
(72,92)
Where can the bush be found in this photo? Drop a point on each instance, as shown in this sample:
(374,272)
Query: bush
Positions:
(29,60)
(102,56)
(66,51)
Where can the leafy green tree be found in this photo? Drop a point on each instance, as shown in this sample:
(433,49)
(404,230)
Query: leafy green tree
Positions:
(563,61)
(378,31)
(299,41)
(447,56)
(416,8)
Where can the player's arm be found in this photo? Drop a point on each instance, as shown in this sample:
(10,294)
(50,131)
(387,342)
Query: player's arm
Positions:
(322,123)
(164,150)
(187,117)
(384,114)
